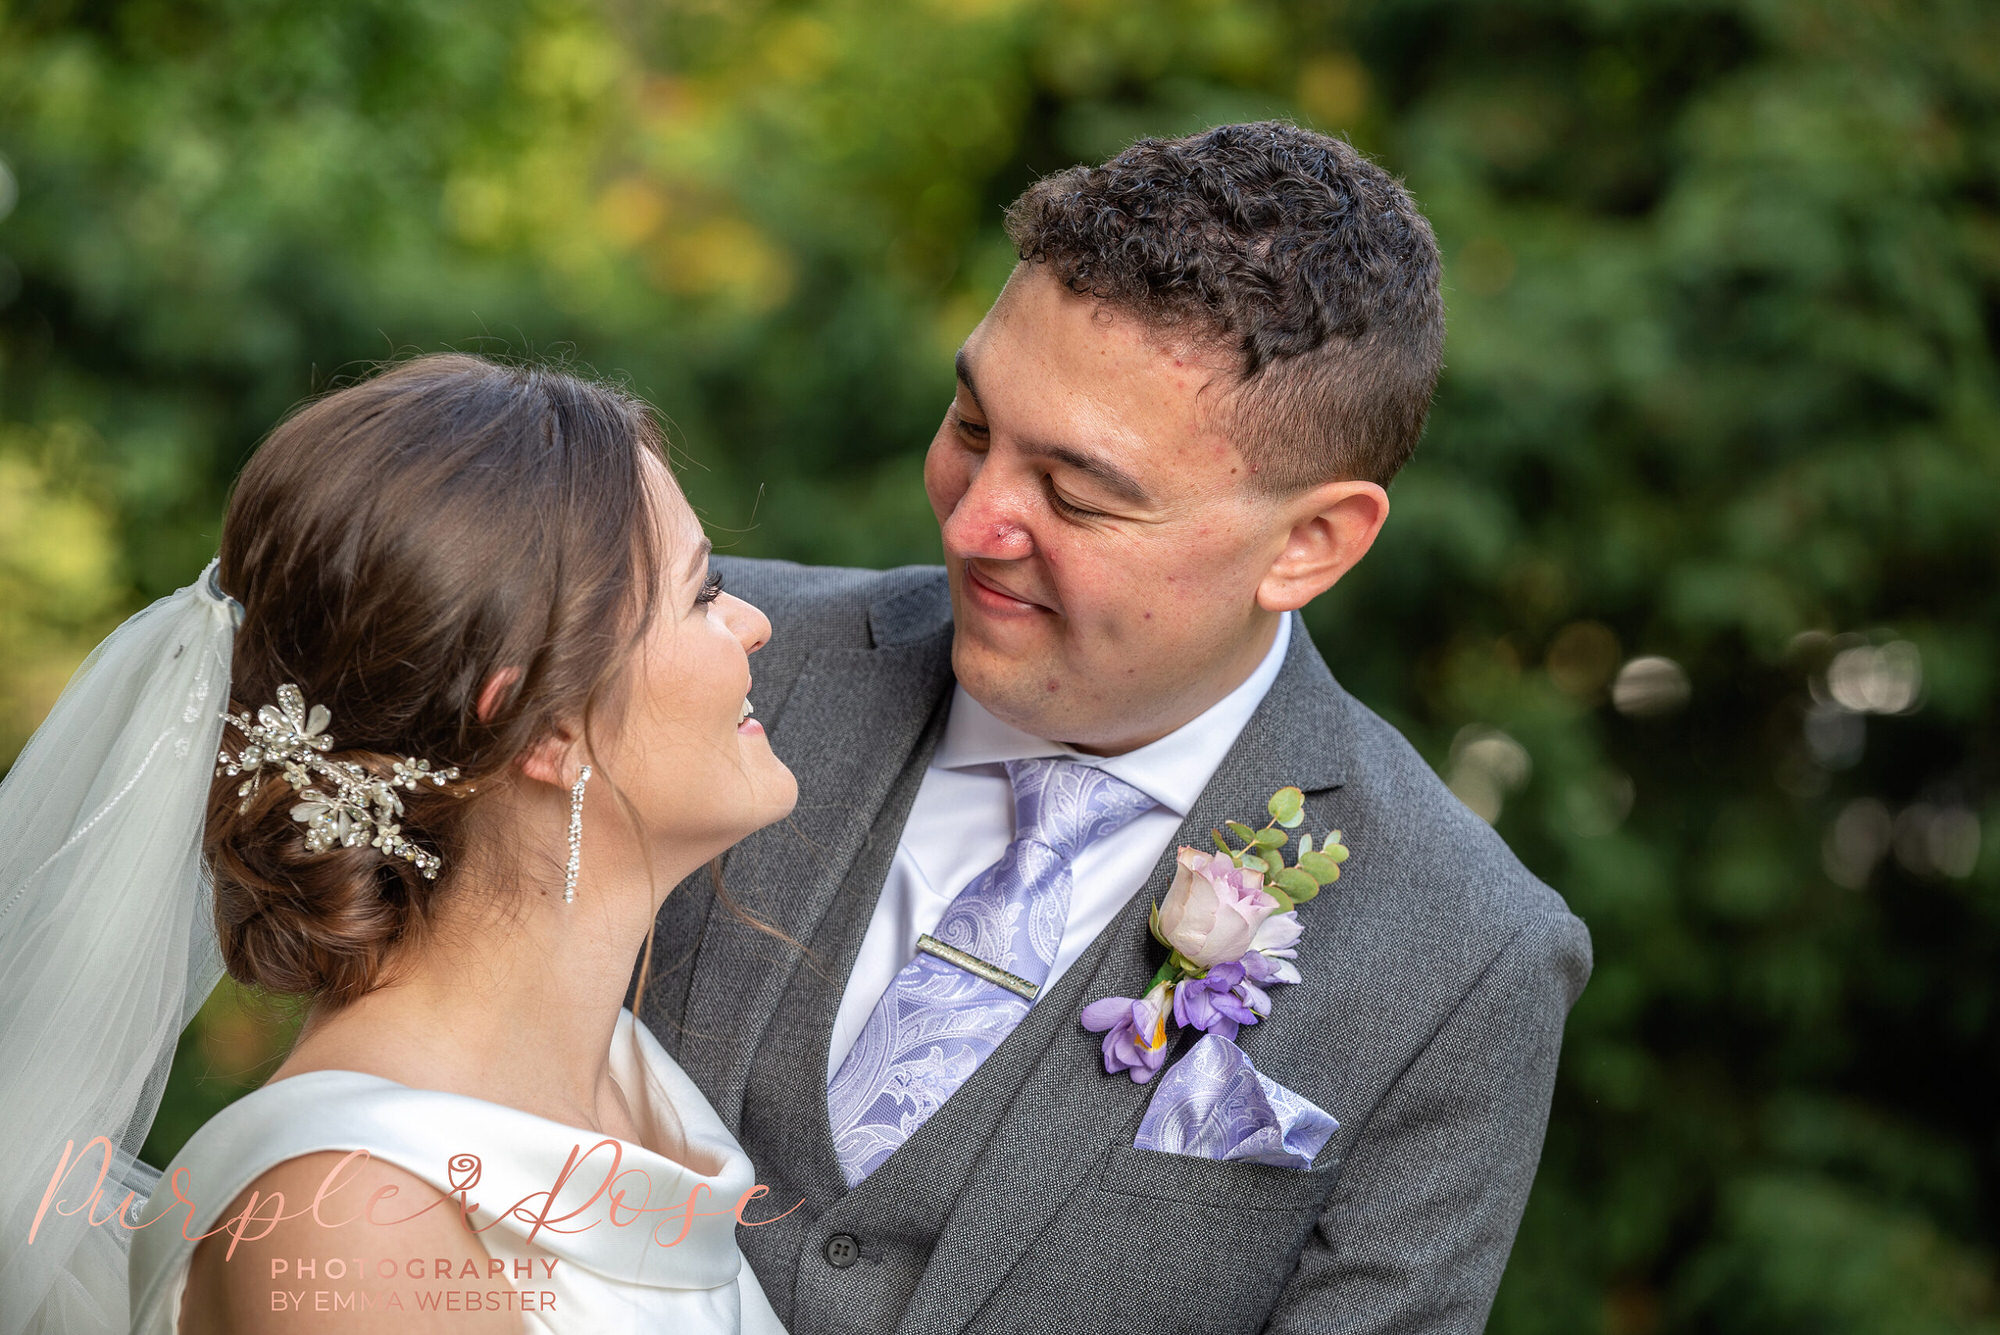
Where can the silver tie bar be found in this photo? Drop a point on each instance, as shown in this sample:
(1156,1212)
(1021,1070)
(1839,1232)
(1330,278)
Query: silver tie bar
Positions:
(972,964)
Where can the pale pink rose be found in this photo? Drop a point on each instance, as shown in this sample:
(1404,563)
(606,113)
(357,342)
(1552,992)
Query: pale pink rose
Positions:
(1214,909)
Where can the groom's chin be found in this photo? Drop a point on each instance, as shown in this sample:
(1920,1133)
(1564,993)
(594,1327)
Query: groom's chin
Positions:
(1027,694)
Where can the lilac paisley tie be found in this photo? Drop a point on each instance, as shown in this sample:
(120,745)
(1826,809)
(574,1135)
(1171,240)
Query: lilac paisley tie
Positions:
(937,1021)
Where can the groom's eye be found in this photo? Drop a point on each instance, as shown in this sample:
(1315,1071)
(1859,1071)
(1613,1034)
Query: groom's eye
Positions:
(1064,507)
(976,430)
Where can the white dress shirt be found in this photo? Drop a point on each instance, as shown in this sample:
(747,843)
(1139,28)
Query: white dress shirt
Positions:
(963,820)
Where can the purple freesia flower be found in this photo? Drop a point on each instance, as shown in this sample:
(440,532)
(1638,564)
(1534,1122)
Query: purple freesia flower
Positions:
(1135,1032)
(1272,950)
(1211,1003)
(1278,933)
(1267,967)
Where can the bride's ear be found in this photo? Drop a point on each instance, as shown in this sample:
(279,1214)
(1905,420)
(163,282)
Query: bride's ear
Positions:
(549,760)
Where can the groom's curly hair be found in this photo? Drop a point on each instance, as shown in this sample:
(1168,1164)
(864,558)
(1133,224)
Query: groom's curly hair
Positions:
(1286,249)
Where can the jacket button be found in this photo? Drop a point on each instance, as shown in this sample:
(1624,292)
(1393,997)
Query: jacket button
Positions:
(842,1251)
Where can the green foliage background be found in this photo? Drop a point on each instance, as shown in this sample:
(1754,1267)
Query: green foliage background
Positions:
(1724,282)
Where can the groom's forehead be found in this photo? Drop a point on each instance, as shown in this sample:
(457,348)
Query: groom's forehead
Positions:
(1134,415)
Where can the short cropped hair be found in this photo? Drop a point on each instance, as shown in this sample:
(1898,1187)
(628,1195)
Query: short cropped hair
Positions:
(1281,246)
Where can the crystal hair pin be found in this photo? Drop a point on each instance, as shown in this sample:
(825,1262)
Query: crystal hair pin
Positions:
(353,808)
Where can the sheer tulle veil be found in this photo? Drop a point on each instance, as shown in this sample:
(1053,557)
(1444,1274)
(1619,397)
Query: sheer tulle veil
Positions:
(107,948)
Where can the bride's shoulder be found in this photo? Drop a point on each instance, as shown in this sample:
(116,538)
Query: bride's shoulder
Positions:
(282,1223)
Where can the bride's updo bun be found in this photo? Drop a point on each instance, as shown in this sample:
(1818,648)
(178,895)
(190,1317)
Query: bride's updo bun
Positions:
(396,544)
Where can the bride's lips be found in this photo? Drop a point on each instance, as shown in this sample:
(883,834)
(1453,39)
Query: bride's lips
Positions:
(748,725)
(994,598)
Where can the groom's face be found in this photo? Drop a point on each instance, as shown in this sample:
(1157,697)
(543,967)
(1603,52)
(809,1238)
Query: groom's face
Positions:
(1103,544)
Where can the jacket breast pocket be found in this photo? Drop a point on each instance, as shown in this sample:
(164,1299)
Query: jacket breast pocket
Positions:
(1225,1184)
(1161,1241)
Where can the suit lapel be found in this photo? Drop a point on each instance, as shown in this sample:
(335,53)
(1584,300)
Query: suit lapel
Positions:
(1067,1110)
(847,730)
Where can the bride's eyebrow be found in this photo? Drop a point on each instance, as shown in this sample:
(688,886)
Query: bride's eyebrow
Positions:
(700,556)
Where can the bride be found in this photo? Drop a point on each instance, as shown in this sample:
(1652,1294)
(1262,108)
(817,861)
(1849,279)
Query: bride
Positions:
(485,706)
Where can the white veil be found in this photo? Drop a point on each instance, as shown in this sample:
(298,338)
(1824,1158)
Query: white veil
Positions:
(107,946)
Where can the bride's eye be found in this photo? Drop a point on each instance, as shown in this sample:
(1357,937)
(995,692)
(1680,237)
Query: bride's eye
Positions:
(711,589)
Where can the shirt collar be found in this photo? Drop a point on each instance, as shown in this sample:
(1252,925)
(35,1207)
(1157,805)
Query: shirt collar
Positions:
(1172,771)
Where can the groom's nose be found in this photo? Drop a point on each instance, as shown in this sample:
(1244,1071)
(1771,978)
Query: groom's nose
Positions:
(989,521)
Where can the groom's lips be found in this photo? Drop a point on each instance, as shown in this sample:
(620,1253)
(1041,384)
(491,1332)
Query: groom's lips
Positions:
(995,597)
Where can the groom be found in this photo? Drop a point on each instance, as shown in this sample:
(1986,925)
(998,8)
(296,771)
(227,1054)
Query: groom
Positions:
(1172,431)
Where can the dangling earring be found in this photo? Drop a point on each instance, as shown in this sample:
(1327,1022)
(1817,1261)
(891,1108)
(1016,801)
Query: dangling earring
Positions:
(575,836)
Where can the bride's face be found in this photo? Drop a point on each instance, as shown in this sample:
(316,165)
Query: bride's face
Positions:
(700,772)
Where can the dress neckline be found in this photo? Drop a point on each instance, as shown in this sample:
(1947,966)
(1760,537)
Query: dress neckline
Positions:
(624,1211)
(636,1061)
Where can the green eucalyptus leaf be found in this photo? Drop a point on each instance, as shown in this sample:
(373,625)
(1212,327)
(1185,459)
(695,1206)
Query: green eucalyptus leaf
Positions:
(1253,863)
(1270,838)
(1285,803)
(1274,859)
(1285,901)
(1305,843)
(1293,821)
(1295,882)
(1320,867)
(1221,843)
(1302,896)
(1242,831)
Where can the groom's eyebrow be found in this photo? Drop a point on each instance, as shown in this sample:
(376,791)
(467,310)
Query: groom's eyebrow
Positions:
(1107,474)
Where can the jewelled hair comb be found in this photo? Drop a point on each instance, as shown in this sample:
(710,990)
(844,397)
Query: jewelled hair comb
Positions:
(343,803)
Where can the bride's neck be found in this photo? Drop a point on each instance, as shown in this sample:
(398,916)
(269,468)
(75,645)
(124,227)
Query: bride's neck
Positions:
(513,995)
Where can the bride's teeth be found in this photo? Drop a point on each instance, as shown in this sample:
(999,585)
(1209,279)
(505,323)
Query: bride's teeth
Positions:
(747,711)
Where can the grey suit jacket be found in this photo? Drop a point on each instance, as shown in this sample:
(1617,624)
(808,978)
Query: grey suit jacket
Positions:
(1437,975)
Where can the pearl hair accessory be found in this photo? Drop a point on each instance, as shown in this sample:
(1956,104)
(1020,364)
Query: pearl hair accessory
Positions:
(575,836)
(355,808)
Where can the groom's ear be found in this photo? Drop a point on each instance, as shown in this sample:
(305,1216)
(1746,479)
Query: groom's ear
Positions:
(1329,528)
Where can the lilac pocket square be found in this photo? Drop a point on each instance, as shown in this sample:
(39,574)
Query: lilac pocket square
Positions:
(1214,1104)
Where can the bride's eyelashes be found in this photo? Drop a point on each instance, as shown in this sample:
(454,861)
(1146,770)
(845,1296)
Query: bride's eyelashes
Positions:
(711,589)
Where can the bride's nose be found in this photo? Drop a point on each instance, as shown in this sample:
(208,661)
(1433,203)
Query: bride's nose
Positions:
(750,625)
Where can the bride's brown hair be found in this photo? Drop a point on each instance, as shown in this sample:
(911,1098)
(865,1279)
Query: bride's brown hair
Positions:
(396,544)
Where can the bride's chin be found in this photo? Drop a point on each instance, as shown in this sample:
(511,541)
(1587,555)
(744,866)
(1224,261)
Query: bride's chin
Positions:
(777,801)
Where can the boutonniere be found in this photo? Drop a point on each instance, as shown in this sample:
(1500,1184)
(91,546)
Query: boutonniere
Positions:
(1230,924)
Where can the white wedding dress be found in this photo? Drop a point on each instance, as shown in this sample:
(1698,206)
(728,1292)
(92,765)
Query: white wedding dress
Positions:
(599,1276)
